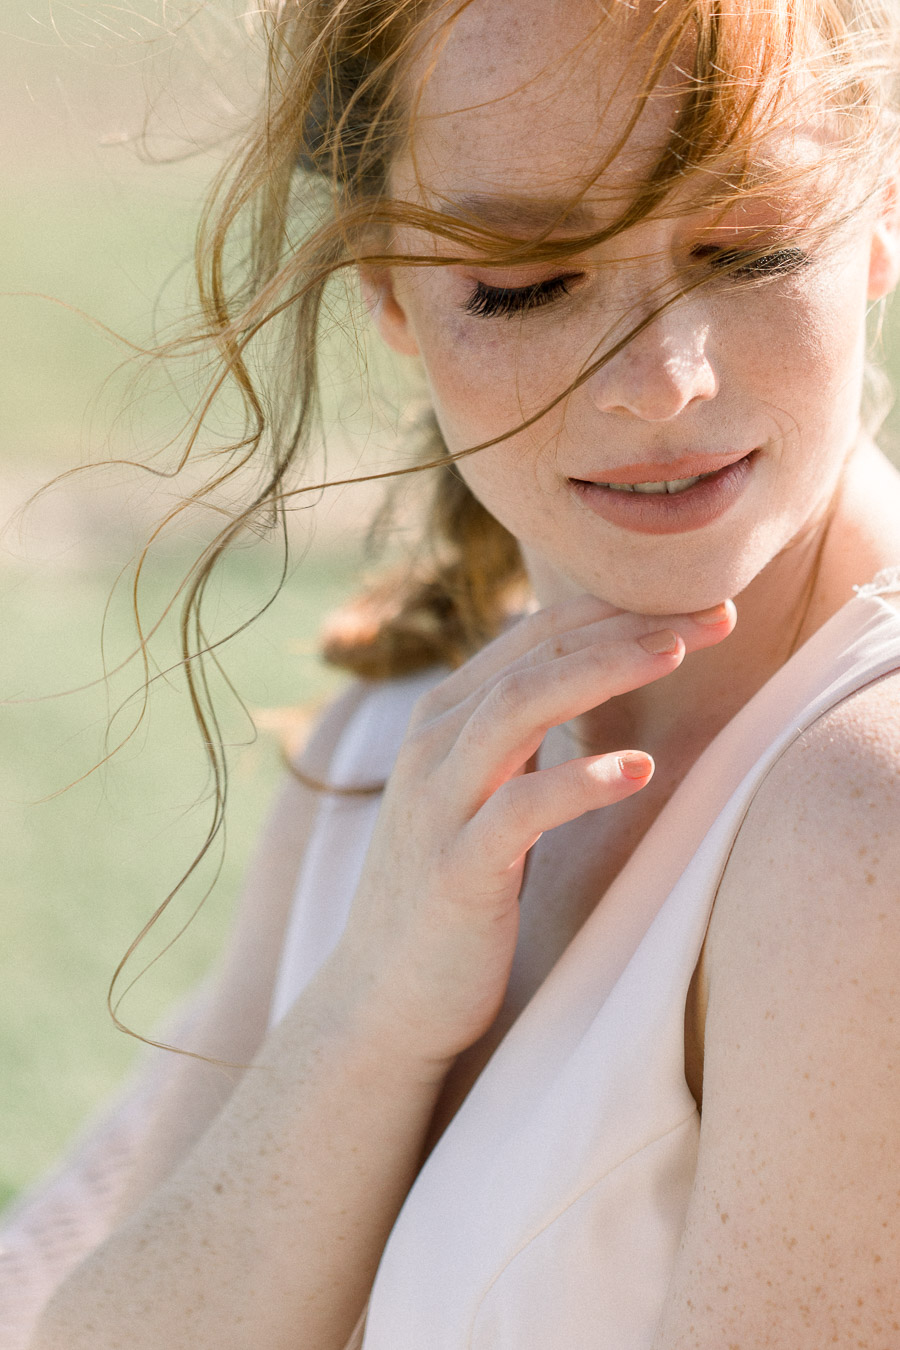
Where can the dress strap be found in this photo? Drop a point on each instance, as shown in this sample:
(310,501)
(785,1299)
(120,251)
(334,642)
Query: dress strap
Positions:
(885,582)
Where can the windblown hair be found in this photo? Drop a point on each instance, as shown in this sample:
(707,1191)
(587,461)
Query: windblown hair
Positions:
(339,107)
(311,179)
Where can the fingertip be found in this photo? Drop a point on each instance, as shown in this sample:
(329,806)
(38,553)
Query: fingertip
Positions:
(635,765)
(730,613)
(724,613)
(665,642)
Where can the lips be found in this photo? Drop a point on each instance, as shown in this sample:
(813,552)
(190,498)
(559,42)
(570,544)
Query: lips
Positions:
(671,507)
(663,471)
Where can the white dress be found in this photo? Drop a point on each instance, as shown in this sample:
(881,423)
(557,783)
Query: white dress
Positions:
(551,1210)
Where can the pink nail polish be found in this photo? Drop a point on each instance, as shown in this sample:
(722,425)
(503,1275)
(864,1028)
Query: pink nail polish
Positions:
(660,643)
(635,764)
(710,617)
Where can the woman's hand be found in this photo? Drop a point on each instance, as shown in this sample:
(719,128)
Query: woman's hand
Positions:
(429,944)
(282,1207)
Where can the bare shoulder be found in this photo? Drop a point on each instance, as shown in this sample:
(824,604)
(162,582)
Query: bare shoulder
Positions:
(819,849)
(813,881)
(835,792)
(793,1229)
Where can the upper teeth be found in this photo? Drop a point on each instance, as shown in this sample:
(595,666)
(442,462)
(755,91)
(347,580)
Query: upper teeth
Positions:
(671,485)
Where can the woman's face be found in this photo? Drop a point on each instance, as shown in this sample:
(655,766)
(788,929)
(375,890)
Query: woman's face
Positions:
(521,102)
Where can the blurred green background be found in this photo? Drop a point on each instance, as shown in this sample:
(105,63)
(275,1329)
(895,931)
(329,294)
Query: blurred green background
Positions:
(103,224)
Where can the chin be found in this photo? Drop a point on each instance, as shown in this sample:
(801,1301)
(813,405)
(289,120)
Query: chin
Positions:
(671,600)
(682,593)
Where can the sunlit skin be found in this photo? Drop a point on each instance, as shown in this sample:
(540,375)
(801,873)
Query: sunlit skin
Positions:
(774,367)
(494,839)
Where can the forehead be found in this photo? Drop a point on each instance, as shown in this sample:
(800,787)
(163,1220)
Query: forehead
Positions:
(515,88)
(518,100)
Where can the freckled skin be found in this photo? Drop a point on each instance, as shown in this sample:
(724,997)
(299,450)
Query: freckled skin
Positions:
(824,1178)
(773,367)
(791,1222)
(777,367)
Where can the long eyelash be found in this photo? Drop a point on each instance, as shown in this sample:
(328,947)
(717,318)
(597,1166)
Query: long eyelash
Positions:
(489,301)
(775,264)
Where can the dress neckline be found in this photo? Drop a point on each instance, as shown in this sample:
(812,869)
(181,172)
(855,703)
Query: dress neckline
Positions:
(886,581)
(602,947)
(580,1128)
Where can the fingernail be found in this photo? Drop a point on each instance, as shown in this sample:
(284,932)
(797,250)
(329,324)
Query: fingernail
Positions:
(710,617)
(635,764)
(658,643)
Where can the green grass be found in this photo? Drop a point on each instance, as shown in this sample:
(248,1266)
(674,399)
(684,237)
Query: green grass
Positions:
(99,254)
(82,871)
(91,265)
(109,240)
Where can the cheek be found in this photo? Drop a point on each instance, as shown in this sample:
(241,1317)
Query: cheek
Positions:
(475,383)
(486,376)
(816,340)
(806,363)
(794,358)
(481,389)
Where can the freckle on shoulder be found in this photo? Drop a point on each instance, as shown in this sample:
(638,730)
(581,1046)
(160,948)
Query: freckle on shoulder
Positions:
(836,789)
(856,745)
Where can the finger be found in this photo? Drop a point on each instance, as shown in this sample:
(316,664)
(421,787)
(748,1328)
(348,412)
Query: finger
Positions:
(507,725)
(559,631)
(515,817)
(517,640)
(696,630)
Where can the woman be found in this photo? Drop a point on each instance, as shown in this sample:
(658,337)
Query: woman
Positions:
(632,248)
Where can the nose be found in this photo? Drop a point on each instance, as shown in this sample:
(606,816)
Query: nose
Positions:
(661,371)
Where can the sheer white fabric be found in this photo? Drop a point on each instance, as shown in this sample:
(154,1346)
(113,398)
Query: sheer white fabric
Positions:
(443,1282)
(551,1210)
(65,1216)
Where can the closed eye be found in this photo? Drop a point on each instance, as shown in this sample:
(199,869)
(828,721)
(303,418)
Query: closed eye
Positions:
(488,302)
(779,262)
(738,264)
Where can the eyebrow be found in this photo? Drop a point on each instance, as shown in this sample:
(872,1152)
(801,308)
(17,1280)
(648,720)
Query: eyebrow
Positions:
(511,211)
(528,213)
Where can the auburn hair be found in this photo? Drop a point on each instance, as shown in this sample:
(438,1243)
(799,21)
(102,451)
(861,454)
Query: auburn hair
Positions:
(313,178)
(305,199)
